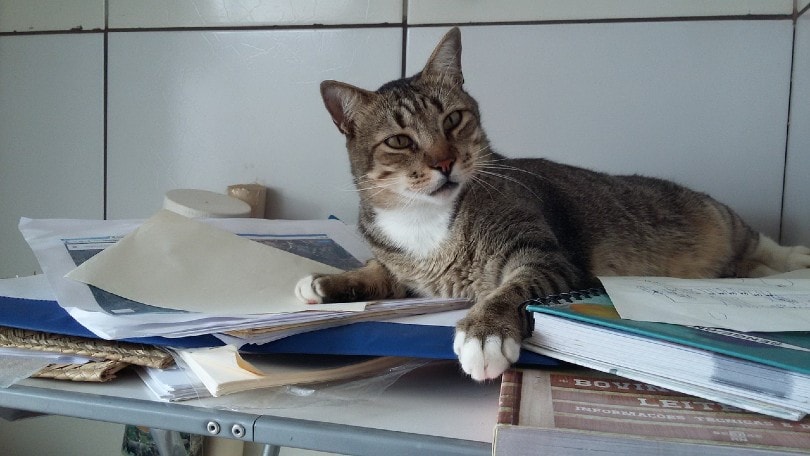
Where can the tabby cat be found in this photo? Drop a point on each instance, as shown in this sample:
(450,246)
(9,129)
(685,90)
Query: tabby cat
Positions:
(447,216)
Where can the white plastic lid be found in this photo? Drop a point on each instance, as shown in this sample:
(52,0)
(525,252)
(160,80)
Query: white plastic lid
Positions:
(202,203)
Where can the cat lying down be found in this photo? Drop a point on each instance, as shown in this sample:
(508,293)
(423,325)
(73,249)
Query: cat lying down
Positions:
(447,216)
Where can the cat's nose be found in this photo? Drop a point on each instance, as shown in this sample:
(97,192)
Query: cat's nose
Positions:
(444,166)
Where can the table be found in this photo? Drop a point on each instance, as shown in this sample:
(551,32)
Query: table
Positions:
(434,409)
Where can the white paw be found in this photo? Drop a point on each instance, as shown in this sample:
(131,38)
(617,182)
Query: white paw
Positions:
(485,360)
(307,291)
(798,258)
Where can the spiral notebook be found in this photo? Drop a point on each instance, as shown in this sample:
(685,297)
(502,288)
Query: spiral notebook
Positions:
(763,372)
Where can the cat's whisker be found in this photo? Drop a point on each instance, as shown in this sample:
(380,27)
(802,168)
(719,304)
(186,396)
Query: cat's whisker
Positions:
(379,188)
(486,185)
(378,192)
(368,183)
(373,186)
(512,168)
(510,179)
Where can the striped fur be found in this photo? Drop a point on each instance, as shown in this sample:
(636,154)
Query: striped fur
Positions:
(447,216)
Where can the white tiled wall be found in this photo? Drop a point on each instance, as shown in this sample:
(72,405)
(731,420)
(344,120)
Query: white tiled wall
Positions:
(206,93)
(43,15)
(209,109)
(461,11)
(51,136)
(241,13)
(702,103)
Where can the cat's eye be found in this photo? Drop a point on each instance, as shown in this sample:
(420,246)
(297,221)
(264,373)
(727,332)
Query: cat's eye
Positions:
(399,142)
(452,120)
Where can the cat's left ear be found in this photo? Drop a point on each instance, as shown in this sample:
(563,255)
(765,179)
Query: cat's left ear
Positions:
(343,101)
(445,62)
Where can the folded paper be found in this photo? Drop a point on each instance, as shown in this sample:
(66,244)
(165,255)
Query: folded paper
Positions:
(174,262)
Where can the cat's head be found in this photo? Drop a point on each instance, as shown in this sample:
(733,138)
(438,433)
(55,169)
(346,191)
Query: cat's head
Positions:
(413,140)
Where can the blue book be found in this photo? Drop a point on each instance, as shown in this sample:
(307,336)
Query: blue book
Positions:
(362,338)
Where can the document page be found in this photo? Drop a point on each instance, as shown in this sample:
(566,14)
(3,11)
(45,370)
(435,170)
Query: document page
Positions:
(776,303)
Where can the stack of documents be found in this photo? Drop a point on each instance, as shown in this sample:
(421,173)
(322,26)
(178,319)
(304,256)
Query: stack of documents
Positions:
(224,371)
(174,277)
(173,384)
(192,284)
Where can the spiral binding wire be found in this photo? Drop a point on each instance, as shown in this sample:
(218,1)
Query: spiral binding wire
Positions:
(555,300)
(567,297)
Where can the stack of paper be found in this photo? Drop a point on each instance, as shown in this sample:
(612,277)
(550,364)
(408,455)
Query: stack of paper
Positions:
(174,277)
(223,370)
(173,384)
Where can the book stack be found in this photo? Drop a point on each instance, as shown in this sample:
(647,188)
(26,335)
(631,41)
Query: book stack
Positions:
(764,372)
(202,287)
(584,412)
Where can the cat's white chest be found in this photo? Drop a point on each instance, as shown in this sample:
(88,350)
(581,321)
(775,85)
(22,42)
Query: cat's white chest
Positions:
(418,230)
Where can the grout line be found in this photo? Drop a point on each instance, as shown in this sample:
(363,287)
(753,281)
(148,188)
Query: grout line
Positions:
(53,32)
(787,132)
(405,25)
(230,28)
(105,97)
(757,17)
(404,38)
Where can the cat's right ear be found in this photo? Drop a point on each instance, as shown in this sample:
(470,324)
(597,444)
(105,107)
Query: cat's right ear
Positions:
(445,61)
(343,101)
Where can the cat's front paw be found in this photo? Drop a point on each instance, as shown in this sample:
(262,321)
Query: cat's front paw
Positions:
(488,339)
(797,258)
(487,357)
(309,291)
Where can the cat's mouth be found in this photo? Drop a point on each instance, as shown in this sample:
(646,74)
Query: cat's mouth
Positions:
(446,188)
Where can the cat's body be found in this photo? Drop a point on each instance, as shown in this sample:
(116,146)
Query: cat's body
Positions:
(446,216)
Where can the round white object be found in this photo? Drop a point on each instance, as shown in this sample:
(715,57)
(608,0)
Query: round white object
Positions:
(202,203)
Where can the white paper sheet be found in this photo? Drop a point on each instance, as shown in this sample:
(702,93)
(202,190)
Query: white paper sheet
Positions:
(29,287)
(62,244)
(778,303)
(174,262)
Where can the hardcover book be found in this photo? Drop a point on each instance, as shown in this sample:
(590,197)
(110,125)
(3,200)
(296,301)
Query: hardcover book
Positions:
(584,412)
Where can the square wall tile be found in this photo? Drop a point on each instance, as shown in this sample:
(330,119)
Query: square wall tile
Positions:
(464,11)
(48,15)
(802,5)
(234,13)
(205,110)
(51,136)
(796,215)
(702,103)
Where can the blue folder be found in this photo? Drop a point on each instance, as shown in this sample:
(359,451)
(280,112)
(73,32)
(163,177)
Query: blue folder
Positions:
(48,316)
(362,338)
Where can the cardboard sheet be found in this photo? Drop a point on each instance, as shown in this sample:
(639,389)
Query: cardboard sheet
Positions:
(174,262)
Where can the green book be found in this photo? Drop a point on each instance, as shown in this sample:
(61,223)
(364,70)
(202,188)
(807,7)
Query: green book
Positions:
(762,372)
(783,350)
